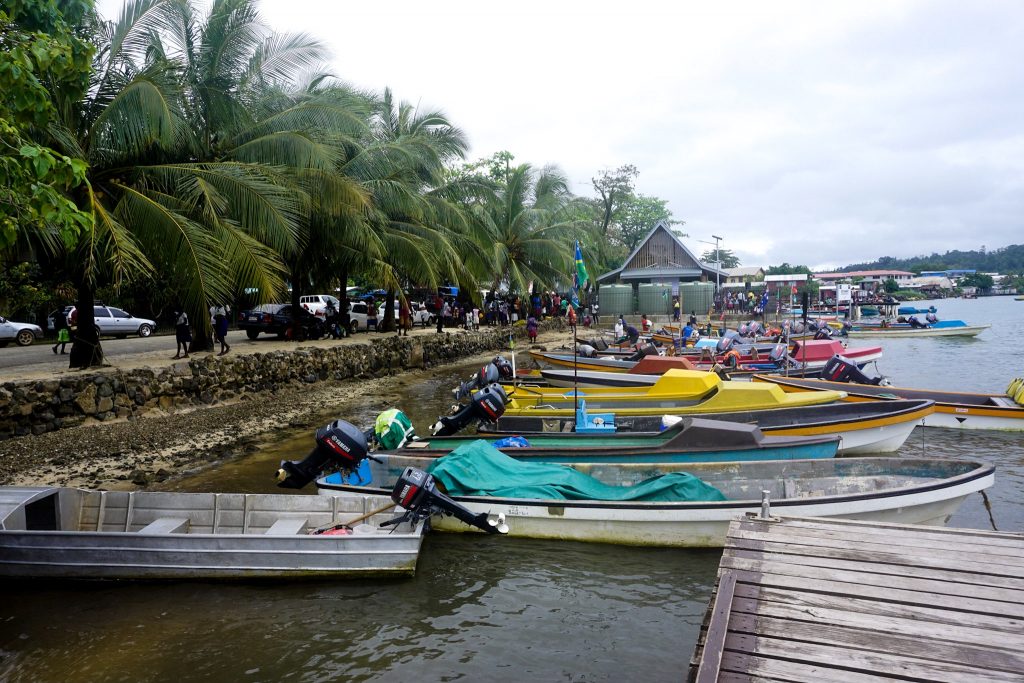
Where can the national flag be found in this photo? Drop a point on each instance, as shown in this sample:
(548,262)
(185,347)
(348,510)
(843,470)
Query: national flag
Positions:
(581,270)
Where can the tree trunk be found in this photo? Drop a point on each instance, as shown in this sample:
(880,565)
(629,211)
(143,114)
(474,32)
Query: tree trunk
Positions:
(86,351)
(296,295)
(202,331)
(388,324)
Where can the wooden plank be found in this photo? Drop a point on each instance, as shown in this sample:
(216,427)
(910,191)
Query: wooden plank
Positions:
(166,525)
(848,559)
(714,642)
(795,672)
(910,625)
(801,600)
(925,536)
(842,661)
(946,651)
(883,593)
(867,577)
(954,555)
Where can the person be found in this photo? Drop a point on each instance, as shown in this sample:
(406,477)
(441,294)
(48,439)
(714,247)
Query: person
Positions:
(687,332)
(645,324)
(675,310)
(564,305)
(531,328)
(182,332)
(597,317)
(620,328)
(404,318)
(220,328)
(331,318)
(371,314)
(570,315)
(632,334)
(63,333)
(693,319)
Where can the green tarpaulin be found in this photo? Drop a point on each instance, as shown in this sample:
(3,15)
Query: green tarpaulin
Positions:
(480,469)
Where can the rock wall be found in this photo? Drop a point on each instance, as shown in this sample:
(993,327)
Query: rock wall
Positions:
(36,407)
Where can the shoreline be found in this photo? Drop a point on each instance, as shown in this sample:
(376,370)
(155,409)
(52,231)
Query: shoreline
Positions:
(132,454)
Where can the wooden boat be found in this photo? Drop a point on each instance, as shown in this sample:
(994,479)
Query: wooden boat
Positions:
(896,490)
(814,353)
(871,427)
(678,392)
(690,440)
(588,378)
(942,328)
(958,410)
(75,533)
(653,365)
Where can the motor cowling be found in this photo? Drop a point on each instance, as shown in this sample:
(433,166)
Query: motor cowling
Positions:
(754,329)
(778,353)
(486,405)
(724,344)
(417,492)
(842,369)
(646,350)
(498,370)
(340,444)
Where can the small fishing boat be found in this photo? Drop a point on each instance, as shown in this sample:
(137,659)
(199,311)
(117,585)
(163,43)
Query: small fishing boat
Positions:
(651,364)
(913,310)
(955,409)
(58,532)
(870,427)
(895,490)
(938,328)
(677,391)
(689,440)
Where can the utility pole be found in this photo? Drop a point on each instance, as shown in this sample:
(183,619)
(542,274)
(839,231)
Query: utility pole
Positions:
(718,262)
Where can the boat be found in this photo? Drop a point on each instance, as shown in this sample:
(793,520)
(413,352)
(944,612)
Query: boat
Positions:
(677,392)
(689,440)
(913,310)
(61,532)
(938,330)
(652,364)
(955,409)
(894,490)
(815,353)
(870,427)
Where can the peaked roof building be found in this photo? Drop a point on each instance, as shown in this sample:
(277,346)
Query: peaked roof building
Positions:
(662,257)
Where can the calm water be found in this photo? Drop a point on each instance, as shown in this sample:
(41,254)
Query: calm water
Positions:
(479,608)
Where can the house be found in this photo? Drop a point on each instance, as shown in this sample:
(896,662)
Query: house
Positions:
(662,258)
(744,274)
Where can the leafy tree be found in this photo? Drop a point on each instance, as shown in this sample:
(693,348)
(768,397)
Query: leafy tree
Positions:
(726,256)
(979,280)
(613,187)
(637,214)
(786,269)
(891,285)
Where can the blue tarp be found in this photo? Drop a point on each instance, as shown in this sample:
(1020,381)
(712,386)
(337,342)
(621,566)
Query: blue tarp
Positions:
(480,469)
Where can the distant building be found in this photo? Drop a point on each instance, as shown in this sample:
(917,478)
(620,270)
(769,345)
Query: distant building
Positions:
(948,273)
(869,280)
(744,274)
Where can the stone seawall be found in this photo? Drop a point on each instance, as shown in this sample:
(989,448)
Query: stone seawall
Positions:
(36,407)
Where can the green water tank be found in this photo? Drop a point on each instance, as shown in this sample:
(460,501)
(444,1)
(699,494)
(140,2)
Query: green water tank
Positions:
(655,299)
(697,297)
(616,300)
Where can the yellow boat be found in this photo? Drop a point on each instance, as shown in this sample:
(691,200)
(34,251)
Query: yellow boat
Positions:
(678,392)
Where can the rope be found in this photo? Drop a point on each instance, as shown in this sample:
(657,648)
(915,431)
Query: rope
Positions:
(351,522)
(988,507)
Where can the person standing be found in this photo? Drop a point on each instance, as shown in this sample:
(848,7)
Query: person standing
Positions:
(531,328)
(220,328)
(404,318)
(63,334)
(182,332)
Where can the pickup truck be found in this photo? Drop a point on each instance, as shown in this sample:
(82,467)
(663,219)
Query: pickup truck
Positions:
(276,319)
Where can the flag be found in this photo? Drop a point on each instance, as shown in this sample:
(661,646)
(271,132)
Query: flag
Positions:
(581,270)
(793,289)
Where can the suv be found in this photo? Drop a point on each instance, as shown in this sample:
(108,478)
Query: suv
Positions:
(117,323)
(357,311)
(277,319)
(317,303)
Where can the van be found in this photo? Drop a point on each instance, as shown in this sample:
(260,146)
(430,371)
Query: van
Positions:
(317,303)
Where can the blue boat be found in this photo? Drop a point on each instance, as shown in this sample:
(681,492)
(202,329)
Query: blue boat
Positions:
(913,310)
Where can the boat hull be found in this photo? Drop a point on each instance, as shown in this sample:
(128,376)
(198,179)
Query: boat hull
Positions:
(965,331)
(704,524)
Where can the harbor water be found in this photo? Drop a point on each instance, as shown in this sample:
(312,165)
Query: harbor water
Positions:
(480,608)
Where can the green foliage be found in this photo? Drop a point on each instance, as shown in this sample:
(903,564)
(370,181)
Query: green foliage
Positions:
(786,269)
(1003,260)
(637,214)
(979,280)
(24,293)
(613,187)
(891,285)
(1014,281)
(728,258)
(39,53)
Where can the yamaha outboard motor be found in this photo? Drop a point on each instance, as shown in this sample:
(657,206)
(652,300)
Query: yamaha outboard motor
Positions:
(498,370)
(743,329)
(842,369)
(755,328)
(779,353)
(646,350)
(417,492)
(724,344)
(488,405)
(339,443)
(823,332)
(915,323)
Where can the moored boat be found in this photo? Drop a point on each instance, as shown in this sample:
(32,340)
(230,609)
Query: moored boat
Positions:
(954,409)
(897,490)
(871,427)
(75,533)
(940,328)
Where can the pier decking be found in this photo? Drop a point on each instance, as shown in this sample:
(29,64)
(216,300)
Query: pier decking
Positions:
(834,600)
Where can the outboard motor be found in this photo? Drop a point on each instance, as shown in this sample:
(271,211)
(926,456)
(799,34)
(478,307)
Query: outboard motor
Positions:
(797,327)
(488,405)
(743,329)
(339,443)
(755,328)
(599,344)
(931,318)
(498,370)
(417,492)
(823,332)
(915,323)
(646,350)
(724,344)
(842,369)
(779,353)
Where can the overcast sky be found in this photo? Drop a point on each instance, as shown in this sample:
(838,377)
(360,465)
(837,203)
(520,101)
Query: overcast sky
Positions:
(818,133)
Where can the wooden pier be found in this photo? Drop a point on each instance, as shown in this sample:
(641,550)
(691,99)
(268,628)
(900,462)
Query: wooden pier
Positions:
(802,599)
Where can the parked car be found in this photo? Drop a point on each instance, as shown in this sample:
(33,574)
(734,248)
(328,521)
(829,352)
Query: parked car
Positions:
(357,311)
(420,314)
(277,319)
(115,322)
(317,303)
(51,318)
(23,334)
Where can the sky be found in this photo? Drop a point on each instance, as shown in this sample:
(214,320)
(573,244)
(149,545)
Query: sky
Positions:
(813,133)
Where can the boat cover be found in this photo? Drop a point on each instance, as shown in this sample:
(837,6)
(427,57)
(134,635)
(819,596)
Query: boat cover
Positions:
(480,469)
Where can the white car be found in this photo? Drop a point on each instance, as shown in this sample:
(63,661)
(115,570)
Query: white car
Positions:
(117,323)
(420,314)
(317,303)
(23,334)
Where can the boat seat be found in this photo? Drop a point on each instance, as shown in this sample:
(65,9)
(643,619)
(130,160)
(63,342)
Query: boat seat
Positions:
(288,527)
(1004,402)
(166,525)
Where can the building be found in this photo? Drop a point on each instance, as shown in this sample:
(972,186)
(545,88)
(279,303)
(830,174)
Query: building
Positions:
(868,279)
(662,258)
(744,274)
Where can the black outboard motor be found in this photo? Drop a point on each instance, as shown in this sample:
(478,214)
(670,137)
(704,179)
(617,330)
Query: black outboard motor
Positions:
(798,327)
(339,443)
(498,370)
(931,318)
(842,369)
(488,405)
(724,344)
(417,492)
(823,332)
(646,350)
(915,323)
